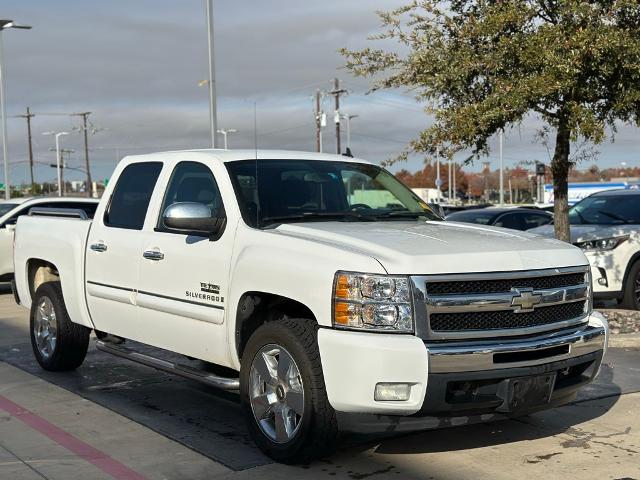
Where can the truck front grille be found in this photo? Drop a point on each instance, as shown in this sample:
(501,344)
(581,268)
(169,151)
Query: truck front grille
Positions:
(500,304)
(505,285)
(505,319)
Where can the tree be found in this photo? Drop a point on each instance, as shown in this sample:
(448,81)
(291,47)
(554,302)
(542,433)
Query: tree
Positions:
(482,66)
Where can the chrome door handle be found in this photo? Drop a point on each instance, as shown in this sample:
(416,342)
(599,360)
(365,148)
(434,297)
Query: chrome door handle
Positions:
(98,247)
(153,255)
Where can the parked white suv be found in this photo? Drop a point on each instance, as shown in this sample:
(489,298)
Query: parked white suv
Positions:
(332,290)
(11,209)
(606,226)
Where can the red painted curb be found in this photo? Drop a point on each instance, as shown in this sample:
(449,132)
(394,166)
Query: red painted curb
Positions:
(85,451)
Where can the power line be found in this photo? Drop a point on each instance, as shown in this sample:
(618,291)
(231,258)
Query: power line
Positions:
(382,139)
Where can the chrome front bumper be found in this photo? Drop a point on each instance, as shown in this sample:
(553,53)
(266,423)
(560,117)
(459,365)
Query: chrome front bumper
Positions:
(515,353)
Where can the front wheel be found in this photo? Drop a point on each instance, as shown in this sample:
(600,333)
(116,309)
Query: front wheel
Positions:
(631,299)
(58,343)
(283,393)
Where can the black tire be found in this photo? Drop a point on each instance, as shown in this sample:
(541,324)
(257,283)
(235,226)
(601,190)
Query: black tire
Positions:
(318,430)
(72,339)
(631,297)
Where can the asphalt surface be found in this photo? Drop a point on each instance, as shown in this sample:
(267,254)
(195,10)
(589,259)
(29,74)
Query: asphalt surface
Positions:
(208,423)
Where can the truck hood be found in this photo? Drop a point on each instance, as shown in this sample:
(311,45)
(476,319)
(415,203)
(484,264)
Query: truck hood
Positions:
(434,247)
(583,233)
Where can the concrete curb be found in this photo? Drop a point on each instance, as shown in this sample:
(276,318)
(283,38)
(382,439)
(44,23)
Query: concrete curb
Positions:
(624,340)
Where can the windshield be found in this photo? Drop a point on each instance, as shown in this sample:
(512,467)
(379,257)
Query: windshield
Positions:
(473,216)
(280,191)
(606,210)
(6,208)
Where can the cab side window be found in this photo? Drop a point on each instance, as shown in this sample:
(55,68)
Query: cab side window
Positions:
(511,220)
(130,199)
(192,182)
(537,220)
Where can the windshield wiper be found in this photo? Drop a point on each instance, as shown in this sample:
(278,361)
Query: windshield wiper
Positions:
(614,216)
(314,216)
(404,214)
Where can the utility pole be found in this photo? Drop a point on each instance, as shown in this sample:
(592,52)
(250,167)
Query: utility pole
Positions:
(319,121)
(487,170)
(336,92)
(84,116)
(29,116)
(454,182)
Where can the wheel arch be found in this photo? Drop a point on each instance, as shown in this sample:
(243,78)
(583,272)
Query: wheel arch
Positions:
(40,271)
(632,261)
(256,308)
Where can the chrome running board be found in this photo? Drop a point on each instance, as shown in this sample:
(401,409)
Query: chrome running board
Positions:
(223,383)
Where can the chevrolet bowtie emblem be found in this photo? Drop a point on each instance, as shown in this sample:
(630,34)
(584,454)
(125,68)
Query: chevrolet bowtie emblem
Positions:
(525,300)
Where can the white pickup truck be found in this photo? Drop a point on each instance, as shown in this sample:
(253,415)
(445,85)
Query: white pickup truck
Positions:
(331,293)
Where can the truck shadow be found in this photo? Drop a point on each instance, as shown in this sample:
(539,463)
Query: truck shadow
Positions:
(211,422)
(594,401)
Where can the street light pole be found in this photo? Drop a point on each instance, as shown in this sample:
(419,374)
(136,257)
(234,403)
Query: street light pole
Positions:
(225,135)
(348,118)
(438,179)
(501,137)
(58,135)
(5,24)
(213,109)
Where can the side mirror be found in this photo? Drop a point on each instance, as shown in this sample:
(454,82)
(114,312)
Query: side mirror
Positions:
(191,217)
(437,208)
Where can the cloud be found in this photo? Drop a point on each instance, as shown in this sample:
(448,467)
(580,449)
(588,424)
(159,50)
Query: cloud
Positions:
(136,66)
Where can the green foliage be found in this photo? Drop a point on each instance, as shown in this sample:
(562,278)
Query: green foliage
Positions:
(481,66)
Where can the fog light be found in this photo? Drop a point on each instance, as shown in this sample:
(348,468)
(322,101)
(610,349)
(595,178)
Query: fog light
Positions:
(602,281)
(392,392)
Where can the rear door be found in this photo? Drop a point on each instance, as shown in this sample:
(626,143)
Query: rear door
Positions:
(183,277)
(114,250)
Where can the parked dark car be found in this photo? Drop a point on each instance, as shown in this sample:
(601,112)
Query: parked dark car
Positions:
(514,218)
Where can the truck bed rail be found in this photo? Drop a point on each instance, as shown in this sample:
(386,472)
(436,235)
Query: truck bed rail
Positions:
(58,212)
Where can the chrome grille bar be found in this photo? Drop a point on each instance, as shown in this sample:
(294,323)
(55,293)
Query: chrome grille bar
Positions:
(503,301)
(520,302)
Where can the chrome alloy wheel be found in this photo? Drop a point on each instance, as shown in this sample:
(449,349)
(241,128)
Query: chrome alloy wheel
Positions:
(276,393)
(45,328)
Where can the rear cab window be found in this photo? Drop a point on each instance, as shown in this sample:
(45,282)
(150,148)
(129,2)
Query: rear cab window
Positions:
(130,198)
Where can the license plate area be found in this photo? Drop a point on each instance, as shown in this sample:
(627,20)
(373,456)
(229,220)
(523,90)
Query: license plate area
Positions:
(522,393)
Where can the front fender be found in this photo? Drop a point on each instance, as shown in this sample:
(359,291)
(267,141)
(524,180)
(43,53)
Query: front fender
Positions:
(298,269)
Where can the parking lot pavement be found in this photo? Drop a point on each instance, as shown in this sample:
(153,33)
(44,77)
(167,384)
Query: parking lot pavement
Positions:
(113,419)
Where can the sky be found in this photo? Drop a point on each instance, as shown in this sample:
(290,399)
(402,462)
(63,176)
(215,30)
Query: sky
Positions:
(136,65)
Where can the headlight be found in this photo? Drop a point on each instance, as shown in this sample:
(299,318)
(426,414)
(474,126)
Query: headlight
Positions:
(372,302)
(602,244)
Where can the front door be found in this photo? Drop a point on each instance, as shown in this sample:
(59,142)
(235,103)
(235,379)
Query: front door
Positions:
(113,251)
(183,287)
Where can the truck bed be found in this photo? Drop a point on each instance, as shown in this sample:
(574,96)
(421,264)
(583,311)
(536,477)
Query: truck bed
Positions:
(61,243)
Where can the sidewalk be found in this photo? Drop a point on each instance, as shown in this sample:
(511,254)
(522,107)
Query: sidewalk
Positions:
(48,432)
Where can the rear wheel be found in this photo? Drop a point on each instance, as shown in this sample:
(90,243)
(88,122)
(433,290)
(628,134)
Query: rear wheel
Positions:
(58,343)
(283,393)
(631,298)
